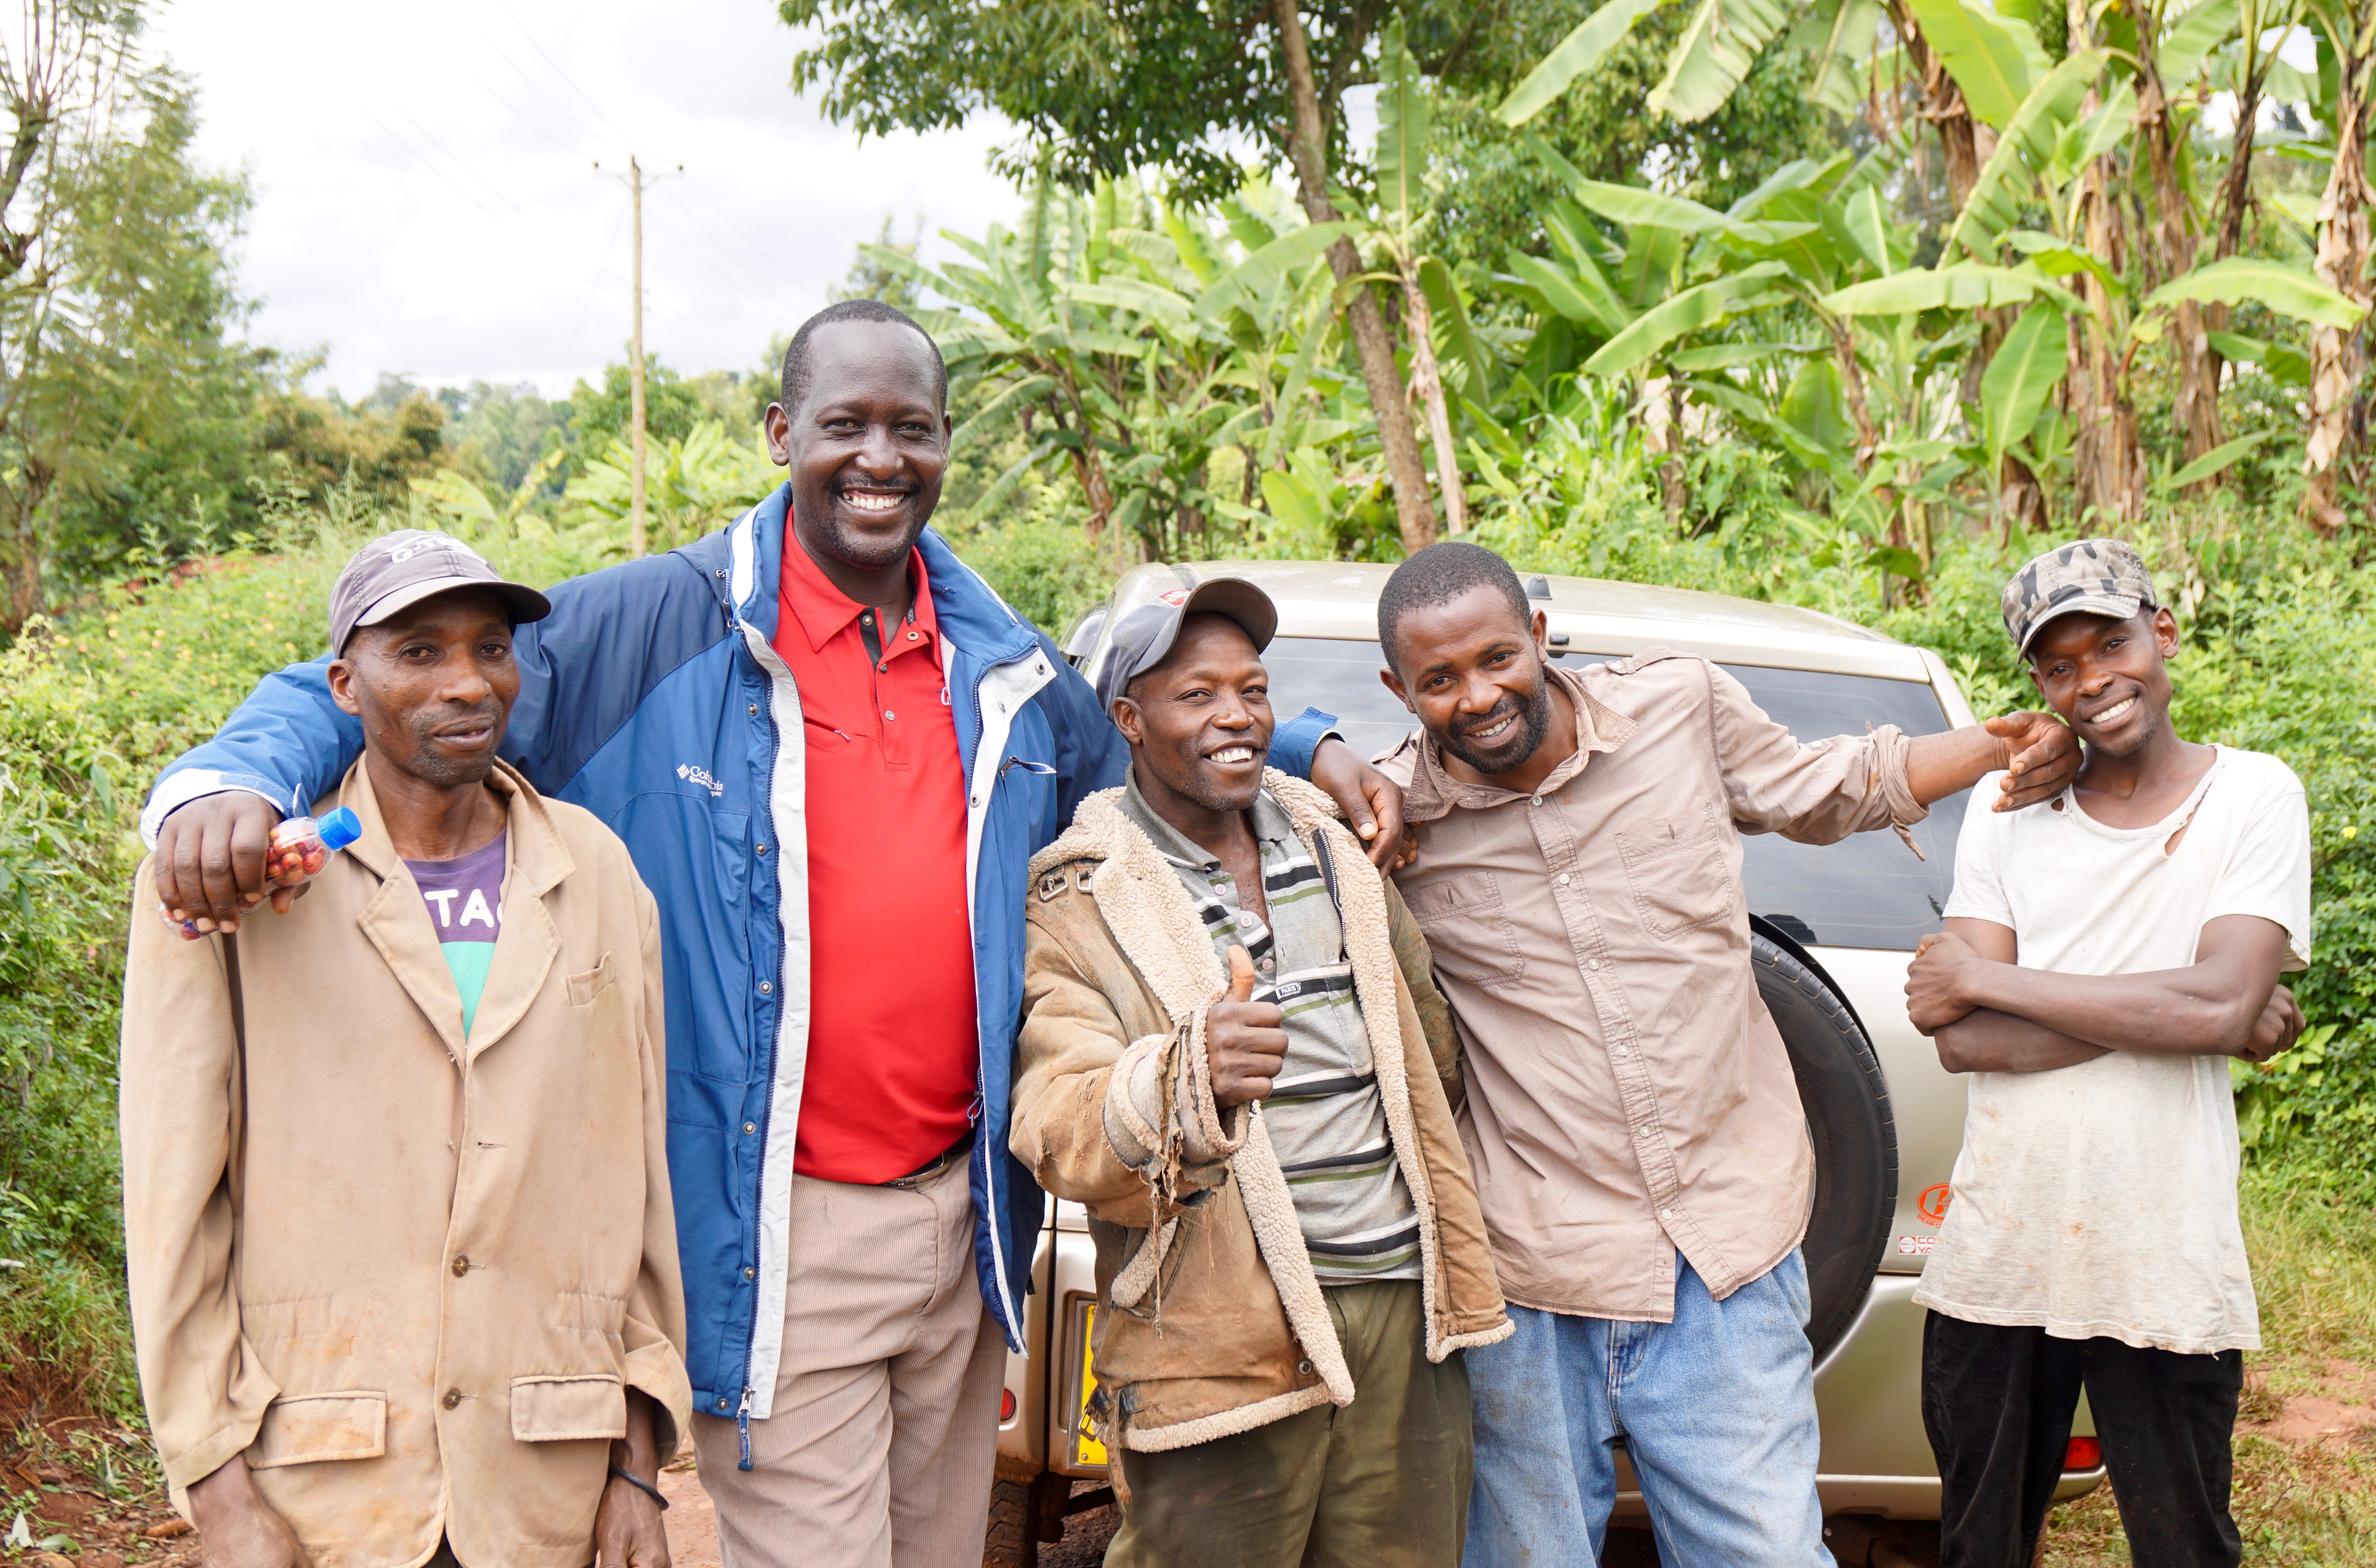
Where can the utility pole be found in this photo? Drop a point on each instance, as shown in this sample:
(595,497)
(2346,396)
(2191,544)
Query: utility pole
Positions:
(636,180)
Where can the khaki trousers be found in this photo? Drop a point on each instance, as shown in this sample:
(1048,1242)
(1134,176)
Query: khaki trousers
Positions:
(1381,1483)
(880,1450)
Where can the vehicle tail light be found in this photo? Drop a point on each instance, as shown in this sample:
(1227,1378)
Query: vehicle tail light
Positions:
(2083,1454)
(1005,1405)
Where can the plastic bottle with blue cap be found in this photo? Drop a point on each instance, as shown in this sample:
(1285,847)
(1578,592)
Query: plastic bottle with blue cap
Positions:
(300,846)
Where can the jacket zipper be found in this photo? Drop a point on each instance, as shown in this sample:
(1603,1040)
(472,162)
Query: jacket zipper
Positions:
(766,1111)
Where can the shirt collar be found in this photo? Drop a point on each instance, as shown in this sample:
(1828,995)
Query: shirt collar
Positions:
(1434,792)
(825,611)
(1271,825)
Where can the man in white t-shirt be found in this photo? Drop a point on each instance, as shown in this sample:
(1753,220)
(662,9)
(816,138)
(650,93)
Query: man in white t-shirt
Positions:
(2103,957)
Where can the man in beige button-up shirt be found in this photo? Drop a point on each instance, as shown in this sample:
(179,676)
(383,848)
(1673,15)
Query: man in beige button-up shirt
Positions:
(1639,1149)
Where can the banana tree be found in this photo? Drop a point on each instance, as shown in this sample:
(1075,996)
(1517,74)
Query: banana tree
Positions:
(1666,305)
(1133,342)
(2338,356)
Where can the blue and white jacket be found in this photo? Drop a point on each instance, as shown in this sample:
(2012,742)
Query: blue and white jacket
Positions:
(653,696)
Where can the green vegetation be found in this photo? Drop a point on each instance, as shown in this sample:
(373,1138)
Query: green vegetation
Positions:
(1847,304)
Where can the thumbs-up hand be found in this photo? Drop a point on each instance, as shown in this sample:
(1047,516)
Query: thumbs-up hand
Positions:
(1245,1039)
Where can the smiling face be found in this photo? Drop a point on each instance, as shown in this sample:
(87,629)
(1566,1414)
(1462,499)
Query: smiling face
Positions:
(1199,724)
(1472,670)
(433,686)
(2106,678)
(867,446)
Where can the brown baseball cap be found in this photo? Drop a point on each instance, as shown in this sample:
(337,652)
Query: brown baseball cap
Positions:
(2097,577)
(408,565)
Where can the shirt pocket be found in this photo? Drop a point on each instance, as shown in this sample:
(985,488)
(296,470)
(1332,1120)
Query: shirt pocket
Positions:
(1676,870)
(586,989)
(1469,933)
(309,1429)
(567,1410)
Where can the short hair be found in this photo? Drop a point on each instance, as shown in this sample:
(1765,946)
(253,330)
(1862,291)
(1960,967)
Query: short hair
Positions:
(796,357)
(1438,574)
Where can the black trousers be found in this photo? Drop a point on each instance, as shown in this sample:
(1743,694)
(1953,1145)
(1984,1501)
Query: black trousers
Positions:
(1997,1403)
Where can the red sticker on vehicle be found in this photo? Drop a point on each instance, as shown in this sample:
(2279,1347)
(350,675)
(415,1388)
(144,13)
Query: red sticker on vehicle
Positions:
(1175,598)
(1932,1204)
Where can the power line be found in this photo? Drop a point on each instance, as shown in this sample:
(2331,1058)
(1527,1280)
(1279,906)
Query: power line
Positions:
(430,138)
(727,217)
(513,110)
(557,71)
(763,285)
(566,117)
(416,156)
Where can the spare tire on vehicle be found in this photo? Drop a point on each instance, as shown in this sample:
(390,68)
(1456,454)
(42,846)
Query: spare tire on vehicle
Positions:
(1849,1123)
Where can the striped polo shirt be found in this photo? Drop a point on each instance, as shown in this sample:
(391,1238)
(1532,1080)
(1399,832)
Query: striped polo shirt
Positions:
(1324,1115)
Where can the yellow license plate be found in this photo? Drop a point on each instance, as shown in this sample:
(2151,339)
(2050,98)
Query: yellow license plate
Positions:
(1087,1449)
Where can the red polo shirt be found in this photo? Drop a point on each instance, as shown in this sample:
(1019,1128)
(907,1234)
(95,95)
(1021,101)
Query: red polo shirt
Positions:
(893,1045)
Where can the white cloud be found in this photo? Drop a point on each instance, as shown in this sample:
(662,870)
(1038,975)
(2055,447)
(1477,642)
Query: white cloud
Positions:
(426,201)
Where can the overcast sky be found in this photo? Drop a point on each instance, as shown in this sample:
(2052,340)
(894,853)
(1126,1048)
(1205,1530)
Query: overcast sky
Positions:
(426,201)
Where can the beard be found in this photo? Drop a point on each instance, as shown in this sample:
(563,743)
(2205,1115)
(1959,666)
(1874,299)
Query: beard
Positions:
(1534,710)
(431,765)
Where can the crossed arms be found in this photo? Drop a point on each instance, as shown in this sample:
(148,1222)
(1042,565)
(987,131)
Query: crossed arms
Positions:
(1985,1013)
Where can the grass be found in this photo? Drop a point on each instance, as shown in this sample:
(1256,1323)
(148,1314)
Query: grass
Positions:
(2299,1503)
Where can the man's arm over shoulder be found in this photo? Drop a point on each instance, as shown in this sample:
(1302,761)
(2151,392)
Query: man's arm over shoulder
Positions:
(612,636)
(653,1331)
(1103,1117)
(204,1393)
(1815,795)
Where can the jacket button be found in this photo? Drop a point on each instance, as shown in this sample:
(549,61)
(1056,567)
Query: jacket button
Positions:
(754,707)
(462,1267)
(1303,1368)
(721,1404)
(767,988)
(453,1398)
(749,1128)
(762,848)
(750,1273)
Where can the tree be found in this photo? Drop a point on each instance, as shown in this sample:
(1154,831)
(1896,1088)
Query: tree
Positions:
(2338,355)
(1103,86)
(123,402)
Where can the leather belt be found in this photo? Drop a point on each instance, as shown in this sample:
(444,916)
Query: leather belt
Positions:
(934,1165)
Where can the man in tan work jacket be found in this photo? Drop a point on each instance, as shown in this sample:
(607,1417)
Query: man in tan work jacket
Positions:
(403,1268)
(1640,1156)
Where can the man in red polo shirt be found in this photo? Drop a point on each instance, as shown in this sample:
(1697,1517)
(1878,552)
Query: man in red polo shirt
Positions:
(881,1444)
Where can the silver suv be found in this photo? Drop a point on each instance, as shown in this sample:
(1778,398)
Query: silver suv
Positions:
(1832,927)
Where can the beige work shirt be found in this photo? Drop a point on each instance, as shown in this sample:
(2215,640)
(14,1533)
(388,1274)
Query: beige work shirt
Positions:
(1628,1093)
(457,1253)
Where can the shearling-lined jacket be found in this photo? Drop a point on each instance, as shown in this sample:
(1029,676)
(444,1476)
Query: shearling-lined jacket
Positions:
(1211,1320)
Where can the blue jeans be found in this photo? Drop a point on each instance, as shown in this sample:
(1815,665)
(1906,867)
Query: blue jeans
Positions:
(1718,1411)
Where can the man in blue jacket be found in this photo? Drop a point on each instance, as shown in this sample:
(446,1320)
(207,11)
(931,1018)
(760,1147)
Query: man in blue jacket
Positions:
(832,751)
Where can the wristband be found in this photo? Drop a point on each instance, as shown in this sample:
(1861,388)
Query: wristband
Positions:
(646,1487)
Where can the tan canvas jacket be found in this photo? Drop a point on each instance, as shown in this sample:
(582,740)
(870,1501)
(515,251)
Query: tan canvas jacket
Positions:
(1211,1320)
(1628,1094)
(455,1256)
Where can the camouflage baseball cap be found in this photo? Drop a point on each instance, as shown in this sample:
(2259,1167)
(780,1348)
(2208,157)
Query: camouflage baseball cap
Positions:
(2098,577)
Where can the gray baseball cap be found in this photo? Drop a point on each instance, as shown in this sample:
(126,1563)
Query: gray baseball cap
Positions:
(2096,576)
(407,566)
(1144,637)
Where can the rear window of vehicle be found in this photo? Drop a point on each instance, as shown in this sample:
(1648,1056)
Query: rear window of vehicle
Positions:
(1866,891)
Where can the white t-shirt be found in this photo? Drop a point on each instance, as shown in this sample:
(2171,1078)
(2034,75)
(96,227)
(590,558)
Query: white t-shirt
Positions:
(2099,1199)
